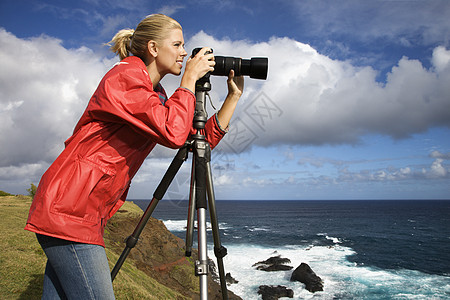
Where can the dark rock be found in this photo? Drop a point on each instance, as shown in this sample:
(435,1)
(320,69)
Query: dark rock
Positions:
(229,279)
(306,275)
(216,276)
(273,292)
(274,260)
(275,263)
(274,268)
(213,271)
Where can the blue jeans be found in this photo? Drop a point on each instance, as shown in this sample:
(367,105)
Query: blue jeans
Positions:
(75,270)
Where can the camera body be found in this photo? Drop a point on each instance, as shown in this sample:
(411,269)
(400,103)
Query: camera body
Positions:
(255,67)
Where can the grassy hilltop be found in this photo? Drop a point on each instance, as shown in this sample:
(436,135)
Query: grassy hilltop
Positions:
(155,269)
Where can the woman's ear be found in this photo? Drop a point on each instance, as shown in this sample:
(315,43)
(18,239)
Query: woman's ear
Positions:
(152,49)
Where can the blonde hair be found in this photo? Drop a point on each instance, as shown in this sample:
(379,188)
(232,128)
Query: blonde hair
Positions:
(154,27)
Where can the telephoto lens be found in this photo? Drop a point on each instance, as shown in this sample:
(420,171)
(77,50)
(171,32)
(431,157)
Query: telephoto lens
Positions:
(255,67)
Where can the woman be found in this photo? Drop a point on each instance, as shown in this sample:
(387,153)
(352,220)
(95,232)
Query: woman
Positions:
(126,117)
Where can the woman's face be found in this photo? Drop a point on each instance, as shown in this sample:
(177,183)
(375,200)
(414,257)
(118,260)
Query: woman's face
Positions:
(171,53)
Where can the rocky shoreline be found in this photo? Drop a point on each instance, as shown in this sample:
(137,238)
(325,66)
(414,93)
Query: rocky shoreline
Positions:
(303,273)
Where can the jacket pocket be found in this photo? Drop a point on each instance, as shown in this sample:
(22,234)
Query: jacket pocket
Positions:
(84,182)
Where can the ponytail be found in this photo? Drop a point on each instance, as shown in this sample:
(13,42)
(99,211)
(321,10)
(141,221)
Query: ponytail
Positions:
(128,42)
(121,43)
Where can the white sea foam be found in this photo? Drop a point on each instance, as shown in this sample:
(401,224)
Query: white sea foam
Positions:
(342,279)
(175,225)
(180,225)
(334,239)
(253,229)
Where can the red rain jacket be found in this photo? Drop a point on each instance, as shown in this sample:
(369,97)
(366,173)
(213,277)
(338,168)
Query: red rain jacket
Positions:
(123,121)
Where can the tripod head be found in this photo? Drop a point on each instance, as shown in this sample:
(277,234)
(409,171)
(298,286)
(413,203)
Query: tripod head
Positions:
(202,87)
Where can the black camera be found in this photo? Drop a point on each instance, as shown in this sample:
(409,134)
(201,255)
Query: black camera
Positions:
(255,67)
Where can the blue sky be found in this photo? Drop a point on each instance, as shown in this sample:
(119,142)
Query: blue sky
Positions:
(356,104)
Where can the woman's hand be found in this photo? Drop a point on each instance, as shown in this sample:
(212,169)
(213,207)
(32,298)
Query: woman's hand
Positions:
(235,85)
(197,67)
(235,90)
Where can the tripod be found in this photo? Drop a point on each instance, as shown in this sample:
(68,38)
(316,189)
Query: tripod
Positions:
(201,186)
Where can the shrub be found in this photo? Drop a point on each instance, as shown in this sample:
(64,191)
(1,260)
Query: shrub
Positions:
(2,193)
(32,190)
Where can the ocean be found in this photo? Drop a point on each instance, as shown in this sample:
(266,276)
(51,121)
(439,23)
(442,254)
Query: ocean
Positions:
(389,249)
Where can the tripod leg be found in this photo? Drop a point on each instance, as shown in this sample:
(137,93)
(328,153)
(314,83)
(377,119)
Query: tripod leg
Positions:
(219,250)
(198,202)
(191,212)
(134,237)
(202,264)
(131,241)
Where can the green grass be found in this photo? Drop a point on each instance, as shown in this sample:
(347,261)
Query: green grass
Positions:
(22,260)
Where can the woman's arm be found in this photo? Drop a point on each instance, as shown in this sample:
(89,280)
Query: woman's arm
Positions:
(217,125)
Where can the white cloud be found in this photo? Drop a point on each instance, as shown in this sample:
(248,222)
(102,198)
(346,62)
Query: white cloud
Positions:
(437,169)
(30,171)
(437,154)
(328,101)
(224,179)
(44,88)
(325,101)
(170,9)
(441,59)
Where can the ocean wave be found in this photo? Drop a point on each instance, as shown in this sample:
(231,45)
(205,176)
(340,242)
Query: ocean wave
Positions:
(253,229)
(181,225)
(335,240)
